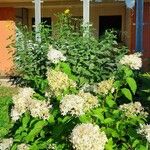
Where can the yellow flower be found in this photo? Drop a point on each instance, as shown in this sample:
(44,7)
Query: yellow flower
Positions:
(67,11)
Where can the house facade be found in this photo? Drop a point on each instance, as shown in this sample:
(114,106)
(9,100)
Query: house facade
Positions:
(103,15)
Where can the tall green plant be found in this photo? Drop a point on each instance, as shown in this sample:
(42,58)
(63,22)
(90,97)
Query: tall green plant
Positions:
(30,56)
(90,59)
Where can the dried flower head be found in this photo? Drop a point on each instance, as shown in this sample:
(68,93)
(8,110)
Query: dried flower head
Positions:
(88,137)
(105,87)
(55,56)
(134,61)
(59,81)
(5,144)
(23,147)
(133,109)
(145,131)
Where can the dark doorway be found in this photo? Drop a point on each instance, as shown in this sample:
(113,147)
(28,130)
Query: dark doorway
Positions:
(46,20)
(110,22)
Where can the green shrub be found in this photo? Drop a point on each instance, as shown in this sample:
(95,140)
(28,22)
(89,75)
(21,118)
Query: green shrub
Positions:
(30,56)
(88,58)
(64,115)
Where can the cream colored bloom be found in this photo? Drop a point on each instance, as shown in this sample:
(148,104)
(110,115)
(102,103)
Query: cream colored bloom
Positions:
(133,109)
(5,144)
(55,56)
(23,147)
(90,101)
(145,131)
(59,81)
(134,61)
(21,102)
(104,87)
(40,109)
(78,104)
(72,104)
(88,137)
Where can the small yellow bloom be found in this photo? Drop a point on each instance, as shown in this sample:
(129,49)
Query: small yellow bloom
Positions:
(67,11)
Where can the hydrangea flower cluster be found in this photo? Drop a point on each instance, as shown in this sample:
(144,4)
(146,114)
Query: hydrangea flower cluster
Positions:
(55,56)
(5,144)
(90,101)
(133,109)
(72,104)
(134,61)
(145,131)
(40,109)
(21,102)
(59,81)
(78,104)
(24,102)
(105,87)
(23,147)
(88,137)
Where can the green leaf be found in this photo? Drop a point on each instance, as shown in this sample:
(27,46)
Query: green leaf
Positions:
(110,102)
(109,145)
(51,119)
(85,119)
(25,120)
(126,92)
(108,121)
(132,84)
(35,131)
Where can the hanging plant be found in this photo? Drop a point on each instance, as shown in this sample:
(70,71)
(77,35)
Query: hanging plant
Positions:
(130,3)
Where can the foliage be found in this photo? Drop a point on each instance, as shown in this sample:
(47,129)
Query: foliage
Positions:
(63,115)
(5,103)
(30,56)
(88,58)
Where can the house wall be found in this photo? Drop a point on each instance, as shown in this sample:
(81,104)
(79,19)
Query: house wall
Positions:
(7,29)
(95,11)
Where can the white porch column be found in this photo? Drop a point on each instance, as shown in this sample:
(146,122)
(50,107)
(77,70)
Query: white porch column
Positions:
(37,18)
(86,12)
(86,15)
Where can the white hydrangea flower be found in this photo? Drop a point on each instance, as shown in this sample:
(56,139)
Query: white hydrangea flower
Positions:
(72,104)
(21,102)
(23,147)
(78,104)
(88,137)
(106,86)
(40,109)
(59,81)
(134,61)
(5,144)
(55,56)
(145,131)
(133,109)
(90,101)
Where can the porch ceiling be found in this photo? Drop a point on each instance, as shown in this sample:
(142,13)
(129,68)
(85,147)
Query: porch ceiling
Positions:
(50,3)
(54,3)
